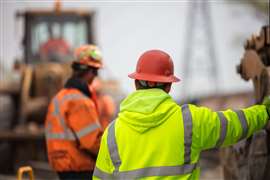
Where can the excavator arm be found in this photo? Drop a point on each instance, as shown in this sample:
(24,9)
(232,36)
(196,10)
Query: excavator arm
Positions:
(255,64)
(250,159)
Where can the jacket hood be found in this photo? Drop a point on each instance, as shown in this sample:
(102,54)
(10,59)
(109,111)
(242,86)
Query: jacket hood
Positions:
(145,109)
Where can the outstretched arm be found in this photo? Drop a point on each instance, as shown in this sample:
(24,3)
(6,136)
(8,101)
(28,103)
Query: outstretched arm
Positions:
(224,128)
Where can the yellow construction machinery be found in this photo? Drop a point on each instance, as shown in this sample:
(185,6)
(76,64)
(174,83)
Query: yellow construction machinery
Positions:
(49,39)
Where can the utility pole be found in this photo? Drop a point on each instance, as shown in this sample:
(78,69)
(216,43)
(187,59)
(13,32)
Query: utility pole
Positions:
(200,74)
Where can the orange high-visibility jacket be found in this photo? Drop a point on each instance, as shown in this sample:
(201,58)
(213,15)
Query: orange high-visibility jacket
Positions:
(72,129)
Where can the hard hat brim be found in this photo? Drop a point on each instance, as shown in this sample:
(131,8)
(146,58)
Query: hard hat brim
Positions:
(97,65)
(154,78)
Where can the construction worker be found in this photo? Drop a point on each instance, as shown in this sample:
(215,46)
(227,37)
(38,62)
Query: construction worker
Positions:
(73,130)
(153,137)
(105,103)
(56,48)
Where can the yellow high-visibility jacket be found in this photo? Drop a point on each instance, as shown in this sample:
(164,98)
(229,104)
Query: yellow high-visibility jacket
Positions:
(154,138)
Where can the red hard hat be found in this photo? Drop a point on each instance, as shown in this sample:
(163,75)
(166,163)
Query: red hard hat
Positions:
(155,66)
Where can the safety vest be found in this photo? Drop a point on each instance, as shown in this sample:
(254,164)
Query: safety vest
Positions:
(170,149)
(71,127)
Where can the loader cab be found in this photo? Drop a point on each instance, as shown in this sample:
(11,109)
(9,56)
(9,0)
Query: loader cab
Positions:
(51,36)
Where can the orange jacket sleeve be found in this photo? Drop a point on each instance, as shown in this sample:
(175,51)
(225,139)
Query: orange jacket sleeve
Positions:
(83,120)
(107,109)
(109,106)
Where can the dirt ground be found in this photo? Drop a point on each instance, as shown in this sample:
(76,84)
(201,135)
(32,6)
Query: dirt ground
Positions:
(209,163)
(210,166)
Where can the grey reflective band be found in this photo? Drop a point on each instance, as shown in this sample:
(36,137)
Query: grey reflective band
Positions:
(65,98)
(56,106)
(73,97)
(67,133)
(223,128)
(157,171)
(101,174)
(243,121)
(147,172)
(112,146)
(87,130)
(187,120)
(60,136)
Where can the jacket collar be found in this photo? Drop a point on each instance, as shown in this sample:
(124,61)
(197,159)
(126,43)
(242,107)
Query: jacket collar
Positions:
(78,84)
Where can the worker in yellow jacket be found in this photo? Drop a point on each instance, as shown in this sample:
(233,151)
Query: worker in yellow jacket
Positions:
(153,137)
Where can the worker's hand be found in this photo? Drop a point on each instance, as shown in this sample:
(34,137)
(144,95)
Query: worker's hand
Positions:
(266,102)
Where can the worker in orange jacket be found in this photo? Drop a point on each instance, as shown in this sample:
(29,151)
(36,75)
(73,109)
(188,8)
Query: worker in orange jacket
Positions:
(55,48)
(72,126)
(105,103)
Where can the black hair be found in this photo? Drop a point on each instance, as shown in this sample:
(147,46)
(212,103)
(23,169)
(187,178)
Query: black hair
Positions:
(79,70)
(144,85)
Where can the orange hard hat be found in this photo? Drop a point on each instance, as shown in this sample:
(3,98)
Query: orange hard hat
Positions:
(89,55)
(155,66)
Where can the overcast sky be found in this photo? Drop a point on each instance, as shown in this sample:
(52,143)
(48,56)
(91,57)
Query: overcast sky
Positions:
(125,29)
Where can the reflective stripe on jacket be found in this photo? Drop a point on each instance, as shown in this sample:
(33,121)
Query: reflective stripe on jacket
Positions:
(72,128)
(153,137)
